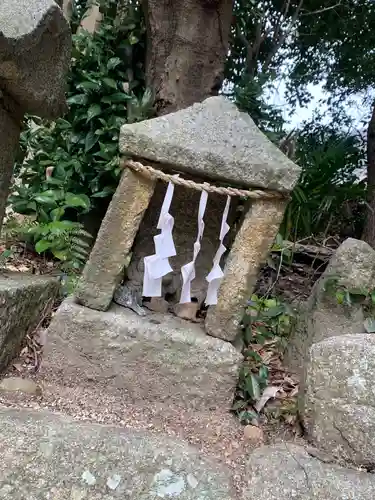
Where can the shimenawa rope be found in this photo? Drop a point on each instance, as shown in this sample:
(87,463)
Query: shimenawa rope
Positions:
(175,179)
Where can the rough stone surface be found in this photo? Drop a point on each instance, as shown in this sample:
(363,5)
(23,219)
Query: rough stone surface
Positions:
(104,269)
(248,253)
(22,300)
(212,139)
(19,384)
(287,471)
(54,457)
(35,44)
(157,358)
(338,405)
(10,128)
(353,265)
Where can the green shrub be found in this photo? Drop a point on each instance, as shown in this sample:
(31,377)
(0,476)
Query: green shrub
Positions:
(105,90)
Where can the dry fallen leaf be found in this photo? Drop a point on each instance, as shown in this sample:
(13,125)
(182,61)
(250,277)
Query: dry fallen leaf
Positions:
(268,393)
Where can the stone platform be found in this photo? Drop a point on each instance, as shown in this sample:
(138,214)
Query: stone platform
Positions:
(157,358)
(54,457)
(22,300)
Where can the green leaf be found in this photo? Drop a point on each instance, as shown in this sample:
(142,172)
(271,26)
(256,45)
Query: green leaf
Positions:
(46,197)
(107,191)
(42,246)
(263,372)
(252,387)
(110,83)
(133,39)
(79,99)
(238,405)
(114,98)
(369,325)
(90,141)
(113,62)
(89,85)
(340,297)
(60,254)
(94,110)
(373,297)
(57,213)
(77,200)
(273,312)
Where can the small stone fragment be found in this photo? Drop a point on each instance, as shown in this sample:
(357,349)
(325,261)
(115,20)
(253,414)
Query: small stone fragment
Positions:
(192,481)
(88,478)
(113,482)
(19,384)
(187,311)
(157,304)
(254,434)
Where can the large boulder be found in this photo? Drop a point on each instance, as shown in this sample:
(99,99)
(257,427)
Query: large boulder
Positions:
(53,457)
(35,45)
(338,404)
(286,471)
(23,298)
(352,267)
(157,358)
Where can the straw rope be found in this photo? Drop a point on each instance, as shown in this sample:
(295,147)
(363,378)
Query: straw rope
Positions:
(153,173)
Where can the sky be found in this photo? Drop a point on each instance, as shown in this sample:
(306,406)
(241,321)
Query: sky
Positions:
(277,97)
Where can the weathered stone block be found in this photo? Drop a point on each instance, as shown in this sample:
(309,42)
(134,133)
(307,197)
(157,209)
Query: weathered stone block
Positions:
(22,300)
(114,241)
(154,358)
(212,139)
(338,404)
(286,471)
(248,252)
(35,46)
(49,456)
(353,267)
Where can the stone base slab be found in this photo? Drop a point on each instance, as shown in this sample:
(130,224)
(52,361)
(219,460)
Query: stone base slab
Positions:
(54,457)
(23,298)
(157,358)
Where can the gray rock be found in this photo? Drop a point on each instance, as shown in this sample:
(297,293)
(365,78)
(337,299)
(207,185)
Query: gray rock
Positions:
(50,456)
(338,404)
(286,471)
(35,45)
(353,266)
(215,140)
(19,384)
(157,357)
(23,298)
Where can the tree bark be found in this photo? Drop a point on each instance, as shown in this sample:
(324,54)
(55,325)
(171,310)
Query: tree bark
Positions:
(369,229)
(187,43)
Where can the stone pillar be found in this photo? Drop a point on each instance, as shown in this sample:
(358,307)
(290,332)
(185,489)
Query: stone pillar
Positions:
(248,252)
(10,127)
(115,239)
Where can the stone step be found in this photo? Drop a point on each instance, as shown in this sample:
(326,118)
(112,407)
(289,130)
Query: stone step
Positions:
(51,456)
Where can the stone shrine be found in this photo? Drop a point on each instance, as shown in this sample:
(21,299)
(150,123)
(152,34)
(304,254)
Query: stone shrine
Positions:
(210,141)
(158,356)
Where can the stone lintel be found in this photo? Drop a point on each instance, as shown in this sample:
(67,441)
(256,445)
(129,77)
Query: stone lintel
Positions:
(212,140)
(249,251)
(114,241)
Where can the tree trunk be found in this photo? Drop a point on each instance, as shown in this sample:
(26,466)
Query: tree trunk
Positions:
(187,43)
(369,229)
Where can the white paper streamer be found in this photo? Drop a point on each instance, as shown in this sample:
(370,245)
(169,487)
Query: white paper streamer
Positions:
(188,270)
(216,274)
(157,265)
